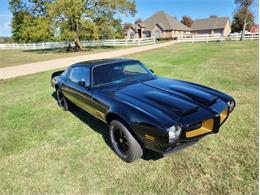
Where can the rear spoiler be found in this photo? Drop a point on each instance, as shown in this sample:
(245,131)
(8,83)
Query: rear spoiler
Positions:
(55,76)
(57,73)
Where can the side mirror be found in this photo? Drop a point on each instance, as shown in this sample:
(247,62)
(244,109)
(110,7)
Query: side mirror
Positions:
(151,70)
(82,83)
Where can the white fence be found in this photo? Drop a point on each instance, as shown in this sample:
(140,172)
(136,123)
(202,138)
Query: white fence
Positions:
(91,43)
(216,37)
(248,36)
(130,42)
(200,38)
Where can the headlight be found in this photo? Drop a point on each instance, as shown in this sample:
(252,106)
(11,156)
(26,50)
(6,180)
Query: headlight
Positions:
(231,105)
(174,133)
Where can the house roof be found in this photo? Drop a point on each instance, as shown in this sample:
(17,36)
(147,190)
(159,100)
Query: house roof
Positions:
(166,21)
(209,23)
(133,27)
(142,24)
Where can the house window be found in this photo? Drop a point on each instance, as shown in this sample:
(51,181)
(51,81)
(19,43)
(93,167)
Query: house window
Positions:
(157,34)
(148,34)
(132,35)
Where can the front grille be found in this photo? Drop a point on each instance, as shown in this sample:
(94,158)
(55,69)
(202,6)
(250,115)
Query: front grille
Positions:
(206,127)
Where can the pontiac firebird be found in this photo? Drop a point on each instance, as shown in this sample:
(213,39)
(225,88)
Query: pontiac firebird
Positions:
(142,110)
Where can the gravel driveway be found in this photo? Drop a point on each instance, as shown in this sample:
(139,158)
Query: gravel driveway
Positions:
(26,69)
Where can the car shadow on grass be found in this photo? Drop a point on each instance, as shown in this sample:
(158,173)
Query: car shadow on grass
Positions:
(101,128)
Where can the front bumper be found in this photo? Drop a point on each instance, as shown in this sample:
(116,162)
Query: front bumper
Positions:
(193,133)
(179,147)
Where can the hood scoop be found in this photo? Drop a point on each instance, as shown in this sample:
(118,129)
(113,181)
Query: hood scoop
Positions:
(176,104)
(197,95)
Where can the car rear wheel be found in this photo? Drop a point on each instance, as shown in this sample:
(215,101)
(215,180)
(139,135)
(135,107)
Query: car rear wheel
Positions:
(62,102)
(123,143)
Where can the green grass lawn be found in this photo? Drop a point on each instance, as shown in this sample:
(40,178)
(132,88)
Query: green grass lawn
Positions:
(18,57)
(46,150)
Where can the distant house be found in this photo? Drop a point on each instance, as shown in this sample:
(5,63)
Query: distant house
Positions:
(255,29)
(131,33)
(159,25)
(211,25)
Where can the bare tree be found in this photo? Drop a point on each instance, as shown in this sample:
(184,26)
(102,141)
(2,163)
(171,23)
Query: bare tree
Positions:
(238,21)
(244,6)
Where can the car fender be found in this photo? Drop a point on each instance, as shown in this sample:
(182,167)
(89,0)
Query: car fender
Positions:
(143,125)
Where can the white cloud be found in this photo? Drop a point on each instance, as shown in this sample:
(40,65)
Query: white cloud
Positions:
(5,24)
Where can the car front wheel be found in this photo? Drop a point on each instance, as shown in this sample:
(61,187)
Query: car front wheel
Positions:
(123,143)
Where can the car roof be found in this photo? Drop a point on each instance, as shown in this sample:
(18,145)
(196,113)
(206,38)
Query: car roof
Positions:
(92,63)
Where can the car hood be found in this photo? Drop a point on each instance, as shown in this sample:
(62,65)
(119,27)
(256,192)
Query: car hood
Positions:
(171,97)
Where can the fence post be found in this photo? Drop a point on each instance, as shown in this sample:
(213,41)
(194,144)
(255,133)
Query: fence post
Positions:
(207,38)
(139,42)
(252,36)
(114,42)
(126,42)
(153,40)
(192,38)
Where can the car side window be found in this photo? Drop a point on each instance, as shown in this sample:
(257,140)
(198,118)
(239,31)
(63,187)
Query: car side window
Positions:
(78,74)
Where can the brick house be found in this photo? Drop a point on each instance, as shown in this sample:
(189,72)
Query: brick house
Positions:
(159,25)
(255,29)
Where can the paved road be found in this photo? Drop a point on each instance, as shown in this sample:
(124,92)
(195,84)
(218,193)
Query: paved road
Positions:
(26,69)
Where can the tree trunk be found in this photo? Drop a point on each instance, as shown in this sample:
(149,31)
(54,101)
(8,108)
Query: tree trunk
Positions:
(78,46)
(244,29)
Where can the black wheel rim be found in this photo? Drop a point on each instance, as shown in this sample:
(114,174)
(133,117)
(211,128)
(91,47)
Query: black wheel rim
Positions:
(120,140)
(60,99)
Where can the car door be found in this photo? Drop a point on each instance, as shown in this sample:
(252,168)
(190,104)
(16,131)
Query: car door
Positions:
(78,88)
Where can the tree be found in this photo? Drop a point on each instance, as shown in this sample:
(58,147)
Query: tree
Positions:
(70,20)
(29,22)
(19,13)
(244,9)
(75,19)
(238,21)
(187,21)
(139,20)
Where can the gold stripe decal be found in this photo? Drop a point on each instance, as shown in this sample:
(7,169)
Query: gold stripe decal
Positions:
(99,114)
(223,115)
(207,126)
(149,137)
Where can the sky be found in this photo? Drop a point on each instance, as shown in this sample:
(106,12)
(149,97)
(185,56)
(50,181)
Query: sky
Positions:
(145,8)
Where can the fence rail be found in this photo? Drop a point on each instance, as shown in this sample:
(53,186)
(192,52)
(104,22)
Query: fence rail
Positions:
(200,38)
(236,36)
(91,43)
(130,42)
(216,37)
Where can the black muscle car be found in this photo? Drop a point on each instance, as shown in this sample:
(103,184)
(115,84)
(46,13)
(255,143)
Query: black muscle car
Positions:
(142,110)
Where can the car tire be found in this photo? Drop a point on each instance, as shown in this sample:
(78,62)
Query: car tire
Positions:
(62,101)
(123,142)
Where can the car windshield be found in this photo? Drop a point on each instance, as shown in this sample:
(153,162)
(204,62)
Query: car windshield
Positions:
(120,73)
